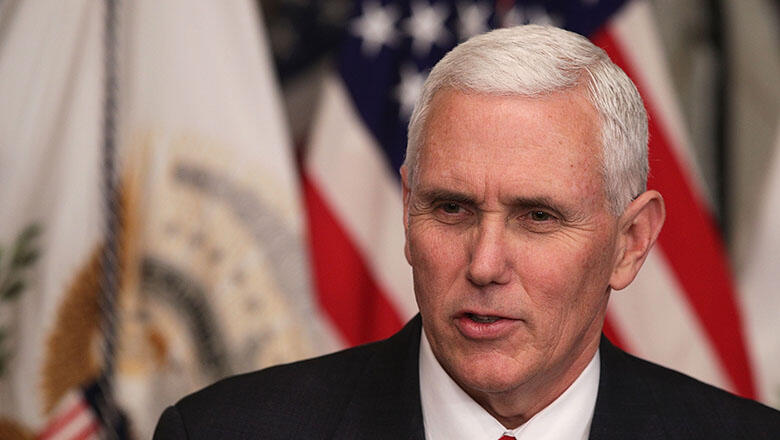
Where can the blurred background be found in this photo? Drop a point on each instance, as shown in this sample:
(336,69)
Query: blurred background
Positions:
(192,189)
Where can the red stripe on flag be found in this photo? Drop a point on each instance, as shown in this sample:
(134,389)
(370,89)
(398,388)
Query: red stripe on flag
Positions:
(346,289)
(691,244)
(63,419)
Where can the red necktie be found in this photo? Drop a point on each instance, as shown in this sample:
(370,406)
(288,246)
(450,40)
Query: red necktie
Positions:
(506,437)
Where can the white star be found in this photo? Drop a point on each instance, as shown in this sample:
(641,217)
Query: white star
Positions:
(376,27)
(426,27)
(533,15)
(409,89)
(472,19)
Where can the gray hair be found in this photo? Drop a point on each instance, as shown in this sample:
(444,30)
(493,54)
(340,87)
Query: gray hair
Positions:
(535,60)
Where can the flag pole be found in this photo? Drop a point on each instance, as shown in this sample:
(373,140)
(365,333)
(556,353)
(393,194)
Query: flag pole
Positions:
(721,117)
(110,264)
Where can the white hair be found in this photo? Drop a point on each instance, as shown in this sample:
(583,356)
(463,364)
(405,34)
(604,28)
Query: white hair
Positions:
(535,60)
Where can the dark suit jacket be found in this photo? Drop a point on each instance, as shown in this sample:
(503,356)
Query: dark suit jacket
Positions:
(372,392)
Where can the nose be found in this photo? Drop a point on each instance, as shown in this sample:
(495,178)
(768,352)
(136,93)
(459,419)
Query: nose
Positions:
(489,262)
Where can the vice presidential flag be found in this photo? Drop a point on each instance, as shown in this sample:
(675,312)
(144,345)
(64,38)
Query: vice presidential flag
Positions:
(210,264)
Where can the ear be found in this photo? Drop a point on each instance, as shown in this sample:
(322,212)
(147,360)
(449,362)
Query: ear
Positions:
(406,194)
(638,228)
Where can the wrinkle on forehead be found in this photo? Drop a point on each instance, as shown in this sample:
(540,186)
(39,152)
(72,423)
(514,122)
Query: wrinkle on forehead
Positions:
(468,151)
(549,144)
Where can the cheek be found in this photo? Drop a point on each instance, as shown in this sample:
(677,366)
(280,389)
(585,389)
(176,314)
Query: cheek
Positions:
(599,260)
(560,277)
(433,248)
(437,259)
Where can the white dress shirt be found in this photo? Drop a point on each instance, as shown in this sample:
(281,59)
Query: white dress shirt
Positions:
(450,414)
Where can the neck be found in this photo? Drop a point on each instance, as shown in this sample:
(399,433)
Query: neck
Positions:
(514,407)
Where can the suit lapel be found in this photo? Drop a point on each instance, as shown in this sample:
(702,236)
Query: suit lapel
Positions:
(386,403)
(624,406)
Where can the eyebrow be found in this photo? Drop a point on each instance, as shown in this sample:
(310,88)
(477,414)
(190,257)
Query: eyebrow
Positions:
(541,202)
(435,194)
(530,202)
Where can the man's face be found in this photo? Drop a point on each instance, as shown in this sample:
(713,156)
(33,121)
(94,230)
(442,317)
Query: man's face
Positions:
(510,240)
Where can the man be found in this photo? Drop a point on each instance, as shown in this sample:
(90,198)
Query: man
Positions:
(524,207)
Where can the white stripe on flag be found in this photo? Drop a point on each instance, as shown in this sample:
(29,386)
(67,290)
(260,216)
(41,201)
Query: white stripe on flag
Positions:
(637,35)
(81,423)
(651,315)
(71,419)
(759,286)
(350,171)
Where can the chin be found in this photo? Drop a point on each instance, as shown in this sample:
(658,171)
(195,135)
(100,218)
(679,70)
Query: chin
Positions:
(490,373)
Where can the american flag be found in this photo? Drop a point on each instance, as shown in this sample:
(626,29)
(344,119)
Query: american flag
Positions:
(84,413)
(681,310)
(73,418)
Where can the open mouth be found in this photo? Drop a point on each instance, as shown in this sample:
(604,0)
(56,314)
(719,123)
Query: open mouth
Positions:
(482,319)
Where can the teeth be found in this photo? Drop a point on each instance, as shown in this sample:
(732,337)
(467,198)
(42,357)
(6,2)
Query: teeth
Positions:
(482,319)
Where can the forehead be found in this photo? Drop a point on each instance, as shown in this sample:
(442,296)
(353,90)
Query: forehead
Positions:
(510,143)
(557,132)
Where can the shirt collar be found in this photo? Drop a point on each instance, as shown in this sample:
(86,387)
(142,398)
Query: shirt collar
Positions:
(449,413)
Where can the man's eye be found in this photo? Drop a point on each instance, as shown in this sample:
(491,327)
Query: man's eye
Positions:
(540,216)
(450,208)
(451,213)
(539,221)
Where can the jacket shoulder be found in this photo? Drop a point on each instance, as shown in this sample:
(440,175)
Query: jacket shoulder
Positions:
(679,405)
(284,400)
(367,387)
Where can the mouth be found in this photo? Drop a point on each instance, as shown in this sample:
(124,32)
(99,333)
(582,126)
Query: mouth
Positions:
(482,319)
(485,326)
